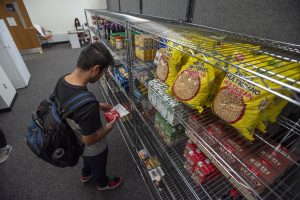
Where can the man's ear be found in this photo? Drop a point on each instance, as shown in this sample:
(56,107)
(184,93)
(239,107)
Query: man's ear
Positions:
(96,68)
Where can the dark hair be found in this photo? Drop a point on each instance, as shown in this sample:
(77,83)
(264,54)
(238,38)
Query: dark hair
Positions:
(76,23)
(95,54)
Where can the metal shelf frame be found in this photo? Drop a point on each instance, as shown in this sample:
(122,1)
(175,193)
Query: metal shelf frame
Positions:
(157,29)
(272,81)
(139,141)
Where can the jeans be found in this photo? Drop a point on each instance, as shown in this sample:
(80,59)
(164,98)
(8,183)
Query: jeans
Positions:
(2,139)
(96,166)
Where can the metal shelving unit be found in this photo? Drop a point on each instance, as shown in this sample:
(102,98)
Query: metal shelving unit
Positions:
(275,80)
(115,95)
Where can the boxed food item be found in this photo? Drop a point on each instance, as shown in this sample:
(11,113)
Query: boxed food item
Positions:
(117,112)
(166,105)
(121,76)
(152,163)
(214,132)
(145,54)
(194,156)
(204,171)
(233,149)
(188,167)
(136,40)
(280,158)
(157,172)
(190,146)
(171,135)
(143,154)
(258,173)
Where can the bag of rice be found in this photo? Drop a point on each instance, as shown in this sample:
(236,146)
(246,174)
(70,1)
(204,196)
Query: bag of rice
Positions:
(194,82)
(241,103)
(287,69)
(169,63)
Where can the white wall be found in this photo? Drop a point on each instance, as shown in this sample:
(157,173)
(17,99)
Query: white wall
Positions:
(58,15)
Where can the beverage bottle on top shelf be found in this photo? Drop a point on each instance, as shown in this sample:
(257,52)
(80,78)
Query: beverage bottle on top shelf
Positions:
(108,31)
(105,30)
(112,28)
(117,28)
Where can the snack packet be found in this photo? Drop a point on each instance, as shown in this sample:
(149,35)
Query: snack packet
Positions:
(241,103)
(194,82)
(168,63)
(117,112)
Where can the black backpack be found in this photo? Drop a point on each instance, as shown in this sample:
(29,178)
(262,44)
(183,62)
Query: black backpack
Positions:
(50,137)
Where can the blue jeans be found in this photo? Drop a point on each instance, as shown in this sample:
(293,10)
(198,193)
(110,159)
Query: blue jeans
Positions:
(96,166)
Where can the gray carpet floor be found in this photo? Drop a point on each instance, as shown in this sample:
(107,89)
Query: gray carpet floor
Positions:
(25,177)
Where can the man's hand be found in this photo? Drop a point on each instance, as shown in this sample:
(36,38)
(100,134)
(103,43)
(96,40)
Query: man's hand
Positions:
(99,134)
(111,124)
(105,107)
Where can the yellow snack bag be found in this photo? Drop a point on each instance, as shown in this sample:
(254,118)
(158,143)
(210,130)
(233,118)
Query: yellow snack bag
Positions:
(169,63)
(194,82)
(241,103)
(286,69)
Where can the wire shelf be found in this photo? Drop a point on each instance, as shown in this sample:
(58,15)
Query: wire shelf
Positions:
(115,17)
(281,79)
(116,97)
(213,189)
(282,143)
(265,70)
(278,81)
(216,186)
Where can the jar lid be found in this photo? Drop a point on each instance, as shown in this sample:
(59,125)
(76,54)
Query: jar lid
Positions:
(119,37)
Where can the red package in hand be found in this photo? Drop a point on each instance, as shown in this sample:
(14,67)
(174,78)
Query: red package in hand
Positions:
(110,115)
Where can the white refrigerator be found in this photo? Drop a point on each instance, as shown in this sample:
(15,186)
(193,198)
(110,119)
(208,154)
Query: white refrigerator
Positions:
(11,59)
(7,92)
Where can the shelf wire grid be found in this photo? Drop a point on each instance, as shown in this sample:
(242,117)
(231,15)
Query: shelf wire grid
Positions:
(212,189)
(112,82)
(207,118)
(133,149)
(283,121)
(174,154)
(125,129)
(168,182)
(176,32)
(272,80)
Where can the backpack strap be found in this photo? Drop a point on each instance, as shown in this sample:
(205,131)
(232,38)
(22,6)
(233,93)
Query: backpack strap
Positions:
(76,102)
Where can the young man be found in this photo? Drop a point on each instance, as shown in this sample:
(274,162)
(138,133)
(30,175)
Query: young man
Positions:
(86,122)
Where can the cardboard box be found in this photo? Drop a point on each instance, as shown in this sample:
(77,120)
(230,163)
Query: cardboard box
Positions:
(280,161)
(194,156)
(234,149)
(258,173)
(204,171)
(188,167)
(136,40)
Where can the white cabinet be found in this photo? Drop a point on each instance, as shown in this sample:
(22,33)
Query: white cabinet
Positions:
(7,91)
(11,59)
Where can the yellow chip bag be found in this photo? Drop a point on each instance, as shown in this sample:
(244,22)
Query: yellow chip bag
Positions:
(193,82)
(241,103)
(281,68)
(169,63)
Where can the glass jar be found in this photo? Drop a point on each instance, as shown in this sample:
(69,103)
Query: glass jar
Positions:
(119,42)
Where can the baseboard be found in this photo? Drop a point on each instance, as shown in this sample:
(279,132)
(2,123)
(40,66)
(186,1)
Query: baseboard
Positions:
(11,105)
(61,42)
